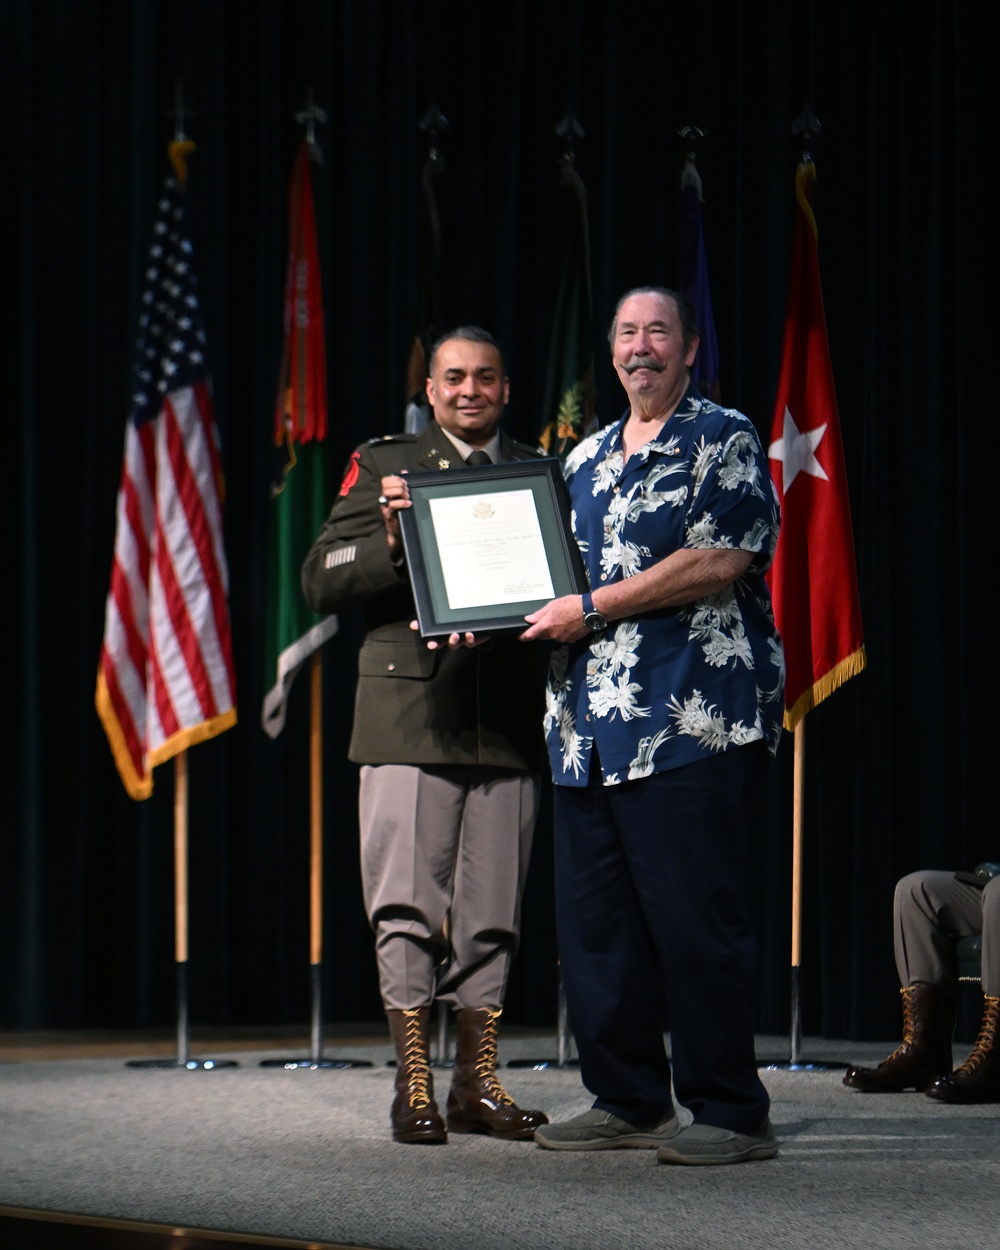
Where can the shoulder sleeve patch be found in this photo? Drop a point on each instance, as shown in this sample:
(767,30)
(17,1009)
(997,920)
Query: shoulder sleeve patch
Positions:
(351,476)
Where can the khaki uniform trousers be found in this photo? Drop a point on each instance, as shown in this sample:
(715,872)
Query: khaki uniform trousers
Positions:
(444,858)
(931,910)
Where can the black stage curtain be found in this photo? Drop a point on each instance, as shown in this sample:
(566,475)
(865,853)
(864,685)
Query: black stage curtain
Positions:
(905,94)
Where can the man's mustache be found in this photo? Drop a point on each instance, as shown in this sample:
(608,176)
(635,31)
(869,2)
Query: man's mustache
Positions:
(644,362)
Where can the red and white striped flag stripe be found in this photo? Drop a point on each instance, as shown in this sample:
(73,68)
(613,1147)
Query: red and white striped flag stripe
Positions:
(166,679)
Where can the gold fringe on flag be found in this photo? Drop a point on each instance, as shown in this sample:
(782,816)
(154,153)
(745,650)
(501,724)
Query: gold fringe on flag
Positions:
(849,667)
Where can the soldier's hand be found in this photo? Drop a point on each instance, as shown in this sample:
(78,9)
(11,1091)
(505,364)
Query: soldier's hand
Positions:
(394,497)
(453,642)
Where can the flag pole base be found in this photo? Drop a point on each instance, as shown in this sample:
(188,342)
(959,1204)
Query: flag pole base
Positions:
(563,1059)
(316,1058)
(795,1062)
(182,1059)
(809,1065)
(313,1064)
(192,1065)
(540,1065)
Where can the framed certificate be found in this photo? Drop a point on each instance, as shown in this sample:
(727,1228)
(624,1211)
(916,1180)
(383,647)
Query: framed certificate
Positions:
(487,545)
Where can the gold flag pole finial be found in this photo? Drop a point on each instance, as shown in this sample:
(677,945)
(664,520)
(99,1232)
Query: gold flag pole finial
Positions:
(807,127)
(181,147)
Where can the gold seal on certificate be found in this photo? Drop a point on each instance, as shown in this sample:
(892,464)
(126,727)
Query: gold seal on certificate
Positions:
(488,545)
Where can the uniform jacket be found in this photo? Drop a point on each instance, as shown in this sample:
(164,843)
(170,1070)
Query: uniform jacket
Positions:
(415,706)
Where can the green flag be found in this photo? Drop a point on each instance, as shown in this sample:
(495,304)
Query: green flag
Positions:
(569,387)
(293,631)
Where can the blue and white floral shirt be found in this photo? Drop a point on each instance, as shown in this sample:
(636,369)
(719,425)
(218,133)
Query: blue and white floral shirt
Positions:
(679,684)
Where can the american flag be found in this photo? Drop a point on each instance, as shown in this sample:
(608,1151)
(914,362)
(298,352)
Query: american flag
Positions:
(165,679)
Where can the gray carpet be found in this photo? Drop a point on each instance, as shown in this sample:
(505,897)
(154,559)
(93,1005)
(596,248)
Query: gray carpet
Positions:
(306,1154)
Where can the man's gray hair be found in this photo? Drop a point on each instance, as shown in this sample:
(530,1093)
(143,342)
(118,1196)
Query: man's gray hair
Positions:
(685,311)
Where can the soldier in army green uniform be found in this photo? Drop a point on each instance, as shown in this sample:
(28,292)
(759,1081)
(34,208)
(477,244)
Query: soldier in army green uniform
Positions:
(450,745)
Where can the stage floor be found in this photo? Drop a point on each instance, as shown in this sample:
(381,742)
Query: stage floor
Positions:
(97,1153)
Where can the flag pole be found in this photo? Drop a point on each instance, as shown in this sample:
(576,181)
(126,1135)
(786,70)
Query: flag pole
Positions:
(795,1062)
(181,903)
(568,399)
(564,1057)
(798,782)
(300,423)
(693,267)
(316,1058)
(316,853)
(430,290)
(814,623)
(190,394)
(568,407)
(182,1058)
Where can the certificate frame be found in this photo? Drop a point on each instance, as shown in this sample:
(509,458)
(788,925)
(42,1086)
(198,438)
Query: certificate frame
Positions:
(428,537)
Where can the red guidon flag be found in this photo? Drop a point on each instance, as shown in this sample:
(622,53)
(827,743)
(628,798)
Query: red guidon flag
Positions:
(165,679)
(813,580)
(292,632)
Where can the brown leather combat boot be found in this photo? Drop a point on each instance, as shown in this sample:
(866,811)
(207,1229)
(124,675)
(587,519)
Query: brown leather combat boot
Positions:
(414,1115)
(978,1078)
(477,1102)
(925,1052)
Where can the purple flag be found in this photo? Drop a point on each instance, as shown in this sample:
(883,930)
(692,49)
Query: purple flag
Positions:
(694,281)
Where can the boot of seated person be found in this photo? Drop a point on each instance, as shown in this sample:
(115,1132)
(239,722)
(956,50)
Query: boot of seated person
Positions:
(978,1078)
(925,1051)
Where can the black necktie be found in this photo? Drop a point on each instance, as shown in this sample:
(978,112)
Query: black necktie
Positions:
(478,457)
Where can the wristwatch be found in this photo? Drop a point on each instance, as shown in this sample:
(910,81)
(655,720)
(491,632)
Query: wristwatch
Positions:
(593,619)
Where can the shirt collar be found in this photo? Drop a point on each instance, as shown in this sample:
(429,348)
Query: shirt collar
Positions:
(690,401)
(492,448)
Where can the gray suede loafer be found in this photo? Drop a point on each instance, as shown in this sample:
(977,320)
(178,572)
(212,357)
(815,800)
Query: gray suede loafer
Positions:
(600,1130)
(706,1144)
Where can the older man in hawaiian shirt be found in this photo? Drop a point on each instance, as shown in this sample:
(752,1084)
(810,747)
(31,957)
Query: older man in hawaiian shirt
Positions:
(664,706)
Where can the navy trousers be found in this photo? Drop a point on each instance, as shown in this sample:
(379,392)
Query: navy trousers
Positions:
(650,878)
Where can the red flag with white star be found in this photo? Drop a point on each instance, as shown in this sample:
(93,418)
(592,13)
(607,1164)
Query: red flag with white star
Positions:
(813,580)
